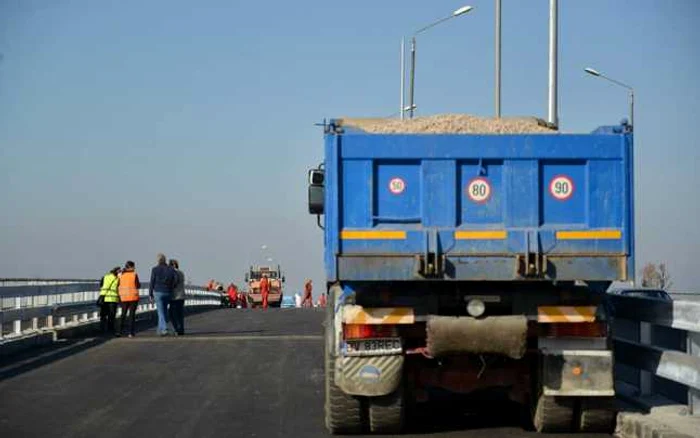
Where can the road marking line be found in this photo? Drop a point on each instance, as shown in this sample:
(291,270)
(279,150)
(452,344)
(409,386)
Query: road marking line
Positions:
(195,337)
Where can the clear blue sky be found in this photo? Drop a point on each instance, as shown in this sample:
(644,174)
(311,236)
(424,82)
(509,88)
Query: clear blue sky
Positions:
(131,127)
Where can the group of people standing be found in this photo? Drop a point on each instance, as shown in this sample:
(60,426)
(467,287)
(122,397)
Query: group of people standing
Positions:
(121,286)
(234,298)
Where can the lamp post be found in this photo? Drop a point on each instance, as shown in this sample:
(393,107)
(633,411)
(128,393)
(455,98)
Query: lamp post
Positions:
(598,74)
(412,82)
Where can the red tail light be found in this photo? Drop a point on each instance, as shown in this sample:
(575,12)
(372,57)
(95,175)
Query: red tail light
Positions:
(367,331)
(575,330)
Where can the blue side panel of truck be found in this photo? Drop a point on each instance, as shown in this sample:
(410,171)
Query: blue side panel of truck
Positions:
(479,207)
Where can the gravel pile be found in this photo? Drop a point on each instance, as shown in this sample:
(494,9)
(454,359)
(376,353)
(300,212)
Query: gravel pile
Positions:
(451,124)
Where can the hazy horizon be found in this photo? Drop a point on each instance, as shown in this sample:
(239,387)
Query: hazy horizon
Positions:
(131,128)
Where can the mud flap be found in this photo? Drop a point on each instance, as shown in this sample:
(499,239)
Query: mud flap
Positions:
(370,376)
(577,373)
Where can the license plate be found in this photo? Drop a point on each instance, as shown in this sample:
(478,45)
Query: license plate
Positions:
(383,345)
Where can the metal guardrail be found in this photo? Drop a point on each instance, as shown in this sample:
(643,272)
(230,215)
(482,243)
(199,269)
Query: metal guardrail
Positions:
(41,281)
(657,344)
(29,309)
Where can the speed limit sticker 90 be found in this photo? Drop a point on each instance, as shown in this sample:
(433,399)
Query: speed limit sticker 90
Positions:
(479,190)
(561,187)
(397,186)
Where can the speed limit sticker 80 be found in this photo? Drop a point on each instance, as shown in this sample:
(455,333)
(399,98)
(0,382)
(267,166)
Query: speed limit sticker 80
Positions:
(561,187)
(479,190)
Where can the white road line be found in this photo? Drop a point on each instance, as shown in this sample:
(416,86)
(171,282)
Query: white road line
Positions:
(195,337)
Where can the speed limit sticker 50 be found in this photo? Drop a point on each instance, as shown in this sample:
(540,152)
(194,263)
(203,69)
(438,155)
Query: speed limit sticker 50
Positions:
(479,190)
(561,187)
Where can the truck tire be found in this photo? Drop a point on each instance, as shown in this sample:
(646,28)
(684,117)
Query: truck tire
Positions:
(343,412)
(553,414)
(597,415)
(386,413)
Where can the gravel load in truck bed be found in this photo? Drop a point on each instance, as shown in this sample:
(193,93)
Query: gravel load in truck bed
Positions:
(451,124)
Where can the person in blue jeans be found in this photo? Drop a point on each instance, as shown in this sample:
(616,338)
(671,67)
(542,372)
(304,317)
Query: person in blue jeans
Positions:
(163,282)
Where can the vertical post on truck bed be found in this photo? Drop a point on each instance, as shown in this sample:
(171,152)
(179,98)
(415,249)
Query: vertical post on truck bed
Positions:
(412,78)
(498,59)
(553,116)
(632,108)
(402,105)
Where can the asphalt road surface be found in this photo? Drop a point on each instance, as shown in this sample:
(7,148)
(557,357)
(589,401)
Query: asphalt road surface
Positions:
(239,373)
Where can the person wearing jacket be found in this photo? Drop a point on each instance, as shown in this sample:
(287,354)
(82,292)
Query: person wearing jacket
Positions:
(129,286)
(160,289)
(177,302)
(308,300)
(232,295)
(322,300)
(264,290)
(109,297)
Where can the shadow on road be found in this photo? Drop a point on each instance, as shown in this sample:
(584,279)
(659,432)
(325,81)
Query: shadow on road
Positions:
(75,340)
(436,417)
(37,357)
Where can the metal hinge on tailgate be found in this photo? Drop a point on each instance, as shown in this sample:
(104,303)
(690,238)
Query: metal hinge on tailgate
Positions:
(531,265)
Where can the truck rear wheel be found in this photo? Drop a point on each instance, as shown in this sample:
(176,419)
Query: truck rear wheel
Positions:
(343,412)
(553,414)
(386,413)
(597,415)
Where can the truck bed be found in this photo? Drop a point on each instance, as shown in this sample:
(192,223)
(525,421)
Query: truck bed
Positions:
(494,207)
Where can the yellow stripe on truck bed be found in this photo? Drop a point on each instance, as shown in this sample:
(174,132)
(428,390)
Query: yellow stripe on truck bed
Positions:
(551,314)
(584,235)
(372,235)
(378,315)
(481,235)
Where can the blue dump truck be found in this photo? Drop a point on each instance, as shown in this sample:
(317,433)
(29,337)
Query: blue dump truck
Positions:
(471,261)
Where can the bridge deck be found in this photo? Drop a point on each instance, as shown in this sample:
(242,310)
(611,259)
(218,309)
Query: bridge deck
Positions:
(236,373)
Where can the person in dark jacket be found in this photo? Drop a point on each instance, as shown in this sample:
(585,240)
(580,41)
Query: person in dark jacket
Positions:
(177,303)
(163,281)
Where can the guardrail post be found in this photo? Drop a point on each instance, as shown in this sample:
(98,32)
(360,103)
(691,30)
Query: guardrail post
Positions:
(49,321)
(17,325)
(645,377)
(693,349)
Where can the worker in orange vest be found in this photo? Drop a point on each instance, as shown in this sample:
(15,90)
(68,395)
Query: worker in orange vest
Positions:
(307,301)
(264,290)
(322,301)
(232,295)
(129,286)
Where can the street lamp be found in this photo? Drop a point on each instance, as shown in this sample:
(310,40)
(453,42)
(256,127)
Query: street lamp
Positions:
(411,106)
(596,73)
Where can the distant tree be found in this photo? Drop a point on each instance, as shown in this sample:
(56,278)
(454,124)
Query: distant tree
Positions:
(656,276)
